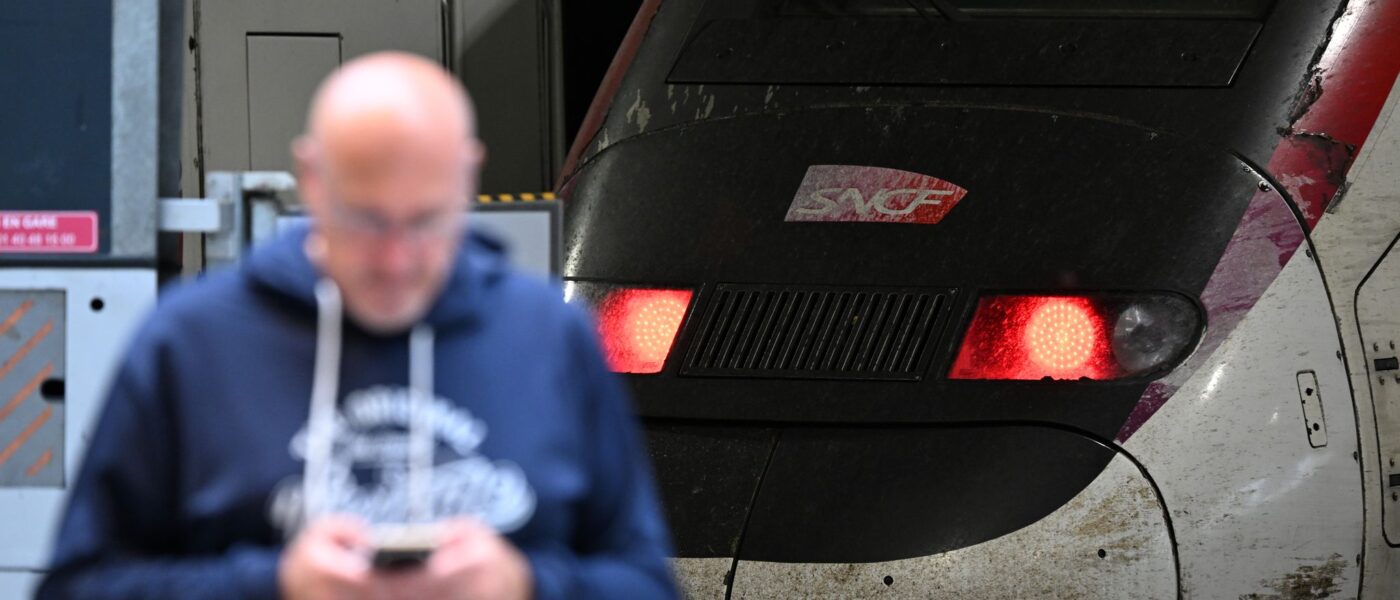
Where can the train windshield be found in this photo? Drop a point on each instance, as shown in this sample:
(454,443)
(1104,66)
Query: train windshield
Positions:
(1102,43)
(974,9)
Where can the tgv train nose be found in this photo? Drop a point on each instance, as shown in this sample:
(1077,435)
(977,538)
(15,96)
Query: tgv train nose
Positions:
(1006,511)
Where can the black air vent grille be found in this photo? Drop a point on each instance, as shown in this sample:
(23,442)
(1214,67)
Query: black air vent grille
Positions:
(816,332)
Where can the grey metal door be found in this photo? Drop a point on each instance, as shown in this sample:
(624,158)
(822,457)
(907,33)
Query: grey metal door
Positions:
(260,62)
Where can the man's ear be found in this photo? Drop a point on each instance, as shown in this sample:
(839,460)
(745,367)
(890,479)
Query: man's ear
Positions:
(475,154)
(306,158)
(303,152)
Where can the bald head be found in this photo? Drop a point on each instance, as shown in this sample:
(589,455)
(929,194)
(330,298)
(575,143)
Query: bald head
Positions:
(387,163)
(388,111)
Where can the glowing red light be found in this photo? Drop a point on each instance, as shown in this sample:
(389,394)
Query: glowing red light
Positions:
(1034,337)
(652,323)
(1061,335)
(638,327)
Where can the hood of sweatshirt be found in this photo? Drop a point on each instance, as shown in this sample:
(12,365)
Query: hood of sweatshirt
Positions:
(281,266)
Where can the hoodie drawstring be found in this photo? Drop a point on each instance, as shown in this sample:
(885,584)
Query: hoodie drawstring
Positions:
(320,435)
(420,428)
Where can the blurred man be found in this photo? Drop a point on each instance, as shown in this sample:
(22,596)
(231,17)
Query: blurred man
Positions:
(248,410)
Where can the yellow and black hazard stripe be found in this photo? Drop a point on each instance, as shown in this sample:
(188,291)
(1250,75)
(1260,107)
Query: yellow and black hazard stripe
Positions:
(509,198)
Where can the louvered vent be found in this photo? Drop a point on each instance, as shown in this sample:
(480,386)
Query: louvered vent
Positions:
(816,332)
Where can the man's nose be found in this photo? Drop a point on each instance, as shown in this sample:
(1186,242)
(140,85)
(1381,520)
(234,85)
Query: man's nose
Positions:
(396,252)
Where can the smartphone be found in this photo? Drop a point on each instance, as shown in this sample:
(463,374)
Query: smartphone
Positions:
(403,546)
(399,558)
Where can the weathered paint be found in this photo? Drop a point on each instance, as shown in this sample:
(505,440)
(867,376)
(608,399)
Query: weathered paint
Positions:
(1307,582)
(1349,240)
(602,102)
(1378,317)
(702,578)
(1251,491)
(1267,237)
(1338,104)
(639,114)
(1249,496)
(1111,541)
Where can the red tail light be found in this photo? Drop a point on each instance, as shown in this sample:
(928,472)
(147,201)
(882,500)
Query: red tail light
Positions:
(1075,337)
(637,326)
(1063,336)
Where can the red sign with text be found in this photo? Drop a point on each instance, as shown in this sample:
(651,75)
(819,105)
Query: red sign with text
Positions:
(853,193)
(26,232)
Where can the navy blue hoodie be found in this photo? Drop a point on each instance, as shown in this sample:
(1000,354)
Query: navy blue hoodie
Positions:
(192,482)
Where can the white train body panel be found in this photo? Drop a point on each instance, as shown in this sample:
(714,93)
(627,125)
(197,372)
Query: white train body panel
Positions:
(1350,240)
(1254,504)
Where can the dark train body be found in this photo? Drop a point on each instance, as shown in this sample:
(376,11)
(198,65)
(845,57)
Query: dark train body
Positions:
(976,299)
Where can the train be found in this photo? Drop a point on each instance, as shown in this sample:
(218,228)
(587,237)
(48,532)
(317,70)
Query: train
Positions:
(990,299)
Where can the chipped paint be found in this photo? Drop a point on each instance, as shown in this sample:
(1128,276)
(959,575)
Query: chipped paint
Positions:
(768,95)
(704,112)
(1311,167)
(1296,182)
(1308,95)
(639,114)
(1337,104)
(1307,582)
(1110,541)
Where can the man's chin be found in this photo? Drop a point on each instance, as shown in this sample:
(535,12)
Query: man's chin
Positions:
(387,319)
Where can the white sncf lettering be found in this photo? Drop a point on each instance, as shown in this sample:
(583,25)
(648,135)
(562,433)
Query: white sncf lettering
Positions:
(830,200)
(821,204)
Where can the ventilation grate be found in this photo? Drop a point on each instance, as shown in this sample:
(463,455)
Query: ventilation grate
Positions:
(816,332)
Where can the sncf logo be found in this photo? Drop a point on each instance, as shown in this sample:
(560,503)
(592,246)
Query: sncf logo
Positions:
(872,194)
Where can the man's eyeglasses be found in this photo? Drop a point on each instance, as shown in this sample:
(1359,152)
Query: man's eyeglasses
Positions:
(434,226)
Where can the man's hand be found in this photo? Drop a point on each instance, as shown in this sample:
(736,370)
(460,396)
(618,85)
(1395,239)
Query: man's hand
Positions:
(327,561)
(471,561)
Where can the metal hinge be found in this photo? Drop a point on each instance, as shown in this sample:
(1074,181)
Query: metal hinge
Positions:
(195,215)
